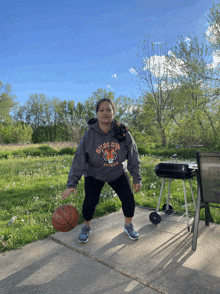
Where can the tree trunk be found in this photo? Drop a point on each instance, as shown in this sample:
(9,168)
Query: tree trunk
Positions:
(163,135)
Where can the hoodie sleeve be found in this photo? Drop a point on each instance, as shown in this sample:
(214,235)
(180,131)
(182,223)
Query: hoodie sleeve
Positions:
(78,165)
(133,164)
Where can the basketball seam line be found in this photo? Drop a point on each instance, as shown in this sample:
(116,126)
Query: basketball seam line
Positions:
(67,222)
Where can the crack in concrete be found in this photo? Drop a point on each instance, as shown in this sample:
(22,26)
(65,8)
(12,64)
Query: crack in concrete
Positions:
(121,271)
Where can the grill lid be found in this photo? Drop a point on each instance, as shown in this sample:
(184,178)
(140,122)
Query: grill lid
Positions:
(176,170)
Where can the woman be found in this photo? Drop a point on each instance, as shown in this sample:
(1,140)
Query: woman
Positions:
(101,156)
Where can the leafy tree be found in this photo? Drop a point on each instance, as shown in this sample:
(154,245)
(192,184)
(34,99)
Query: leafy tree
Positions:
(39,112)
(90,103)
(15,133)
(125,106)
(193,60)
(156,84)
(34,110)
(73,121)
(7,102)
(213,32)
(78,116)
(196,89)
(56,128)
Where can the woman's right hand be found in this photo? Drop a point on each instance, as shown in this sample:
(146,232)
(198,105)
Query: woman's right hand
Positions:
(67,193)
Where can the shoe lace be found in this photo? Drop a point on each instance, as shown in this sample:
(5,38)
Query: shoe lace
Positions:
(84,230)
(131,227)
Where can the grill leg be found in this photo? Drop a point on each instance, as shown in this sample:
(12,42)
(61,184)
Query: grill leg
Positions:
(187,215)
(168,197)
(161,190)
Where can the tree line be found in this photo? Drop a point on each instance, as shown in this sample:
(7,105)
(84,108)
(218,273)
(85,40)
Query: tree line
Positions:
(179,101)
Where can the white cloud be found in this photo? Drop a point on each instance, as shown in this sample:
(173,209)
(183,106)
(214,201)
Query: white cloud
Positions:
(216,60)
(108,86)
(159,67)
(167,86)
(131,108)
(132,71)
(212,33)
(187,39)
(114,76)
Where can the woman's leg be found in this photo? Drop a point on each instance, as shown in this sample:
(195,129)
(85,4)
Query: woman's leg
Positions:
(93,189)
(122,186)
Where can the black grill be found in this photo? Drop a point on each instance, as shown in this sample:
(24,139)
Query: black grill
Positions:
(176,170)
(173,170)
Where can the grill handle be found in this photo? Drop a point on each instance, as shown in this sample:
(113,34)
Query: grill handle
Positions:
(174,157)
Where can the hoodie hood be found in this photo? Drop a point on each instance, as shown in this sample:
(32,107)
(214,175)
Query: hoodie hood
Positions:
(93,123)
(117,130)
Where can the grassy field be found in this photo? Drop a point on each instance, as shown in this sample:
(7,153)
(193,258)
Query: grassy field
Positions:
(30,189)
(55,145)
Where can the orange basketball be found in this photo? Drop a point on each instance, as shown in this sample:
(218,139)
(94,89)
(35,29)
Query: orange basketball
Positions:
(65,218)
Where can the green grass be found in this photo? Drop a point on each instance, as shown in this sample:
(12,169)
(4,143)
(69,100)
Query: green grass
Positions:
(30,189)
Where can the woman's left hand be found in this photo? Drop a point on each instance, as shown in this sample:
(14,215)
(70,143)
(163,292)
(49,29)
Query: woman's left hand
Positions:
(136,187)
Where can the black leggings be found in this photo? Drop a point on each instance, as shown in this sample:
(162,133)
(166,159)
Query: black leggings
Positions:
(93,187)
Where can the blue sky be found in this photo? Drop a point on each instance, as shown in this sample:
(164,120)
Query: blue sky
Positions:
(69,49)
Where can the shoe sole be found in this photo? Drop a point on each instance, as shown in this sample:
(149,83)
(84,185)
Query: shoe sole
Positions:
(133,239)
(86,240)
(83,242)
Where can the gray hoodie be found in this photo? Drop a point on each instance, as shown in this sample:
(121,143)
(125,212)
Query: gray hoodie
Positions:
(102,156)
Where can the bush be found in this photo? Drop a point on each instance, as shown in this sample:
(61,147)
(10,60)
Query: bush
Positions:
(183,154)
(31,151)
(15,133)
(47,150)
(67,150)
(215,143)
(4,154)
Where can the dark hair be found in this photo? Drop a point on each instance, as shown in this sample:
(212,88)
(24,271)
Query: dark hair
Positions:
(119,129)
(102,100)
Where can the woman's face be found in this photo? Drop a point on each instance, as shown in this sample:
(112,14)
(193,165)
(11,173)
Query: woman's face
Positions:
(105,113)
